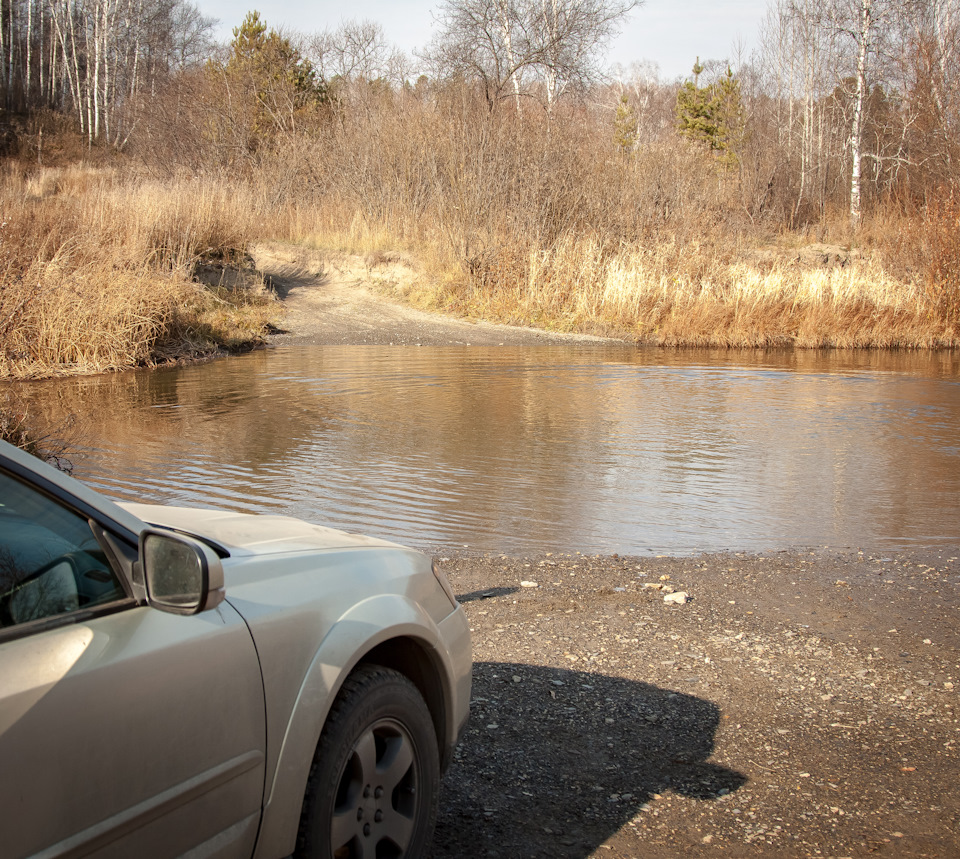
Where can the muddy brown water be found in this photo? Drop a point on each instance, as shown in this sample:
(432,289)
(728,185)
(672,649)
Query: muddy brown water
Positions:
(525,450)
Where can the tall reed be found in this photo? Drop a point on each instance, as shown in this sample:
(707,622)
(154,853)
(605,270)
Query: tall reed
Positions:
(97,274)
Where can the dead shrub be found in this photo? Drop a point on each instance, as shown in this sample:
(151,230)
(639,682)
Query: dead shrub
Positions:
(943,267)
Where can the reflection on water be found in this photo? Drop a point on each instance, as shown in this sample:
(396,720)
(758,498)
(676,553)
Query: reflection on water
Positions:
(540,449)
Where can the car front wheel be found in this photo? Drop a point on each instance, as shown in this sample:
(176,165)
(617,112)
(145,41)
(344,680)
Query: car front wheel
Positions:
(374,783)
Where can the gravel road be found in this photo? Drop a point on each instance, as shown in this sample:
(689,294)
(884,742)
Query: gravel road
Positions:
(797,705)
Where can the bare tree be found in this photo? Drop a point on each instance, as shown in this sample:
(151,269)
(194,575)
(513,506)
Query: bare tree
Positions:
(651,99)
(573,34)
(862,33)
(511,45)
(856,33)
(798,64)
(357,50)
(866,95)
(90,57)
(480,40)
(930,69)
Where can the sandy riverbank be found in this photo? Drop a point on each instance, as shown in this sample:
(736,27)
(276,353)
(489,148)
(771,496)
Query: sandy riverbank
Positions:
(332,299)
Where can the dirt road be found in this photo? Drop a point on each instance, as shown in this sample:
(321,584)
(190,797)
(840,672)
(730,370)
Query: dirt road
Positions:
(328,301)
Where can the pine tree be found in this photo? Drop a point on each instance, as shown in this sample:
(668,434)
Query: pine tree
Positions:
(273,83)
(730,119)
(712,115)
(697,109)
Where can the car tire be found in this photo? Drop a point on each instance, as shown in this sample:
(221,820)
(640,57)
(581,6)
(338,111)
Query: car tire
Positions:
(374,782)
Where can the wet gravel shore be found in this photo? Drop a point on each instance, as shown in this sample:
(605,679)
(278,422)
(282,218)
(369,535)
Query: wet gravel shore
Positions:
(797,704)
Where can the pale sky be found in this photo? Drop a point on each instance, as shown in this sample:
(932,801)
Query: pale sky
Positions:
(671,33)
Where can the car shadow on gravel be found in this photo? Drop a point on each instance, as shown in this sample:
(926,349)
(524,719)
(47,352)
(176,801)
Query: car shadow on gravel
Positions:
(556,761)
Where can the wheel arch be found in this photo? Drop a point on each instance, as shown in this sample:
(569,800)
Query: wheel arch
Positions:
(411,646)
(421,665)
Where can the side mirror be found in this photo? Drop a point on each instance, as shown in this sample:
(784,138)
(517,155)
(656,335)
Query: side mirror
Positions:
(182,575)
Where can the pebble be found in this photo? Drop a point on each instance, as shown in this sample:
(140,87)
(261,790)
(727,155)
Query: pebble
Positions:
(529,585)
(680,598)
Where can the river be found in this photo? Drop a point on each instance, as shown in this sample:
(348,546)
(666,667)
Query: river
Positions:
(526,450)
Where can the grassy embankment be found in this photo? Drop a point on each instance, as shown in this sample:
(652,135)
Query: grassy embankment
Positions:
(519,220)
(511,220)
(98,272)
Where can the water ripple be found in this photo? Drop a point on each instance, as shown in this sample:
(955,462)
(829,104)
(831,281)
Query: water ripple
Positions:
(603,449)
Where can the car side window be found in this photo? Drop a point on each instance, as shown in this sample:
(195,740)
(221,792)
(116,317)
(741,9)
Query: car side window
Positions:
(50,562)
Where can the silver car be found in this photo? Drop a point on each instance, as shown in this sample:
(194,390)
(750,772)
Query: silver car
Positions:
(216,684)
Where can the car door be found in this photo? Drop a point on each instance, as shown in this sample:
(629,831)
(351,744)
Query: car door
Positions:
(124,730)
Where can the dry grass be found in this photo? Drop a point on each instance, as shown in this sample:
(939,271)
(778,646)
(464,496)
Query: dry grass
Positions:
(71,181)
(97,273)
(688,295)
(943,271)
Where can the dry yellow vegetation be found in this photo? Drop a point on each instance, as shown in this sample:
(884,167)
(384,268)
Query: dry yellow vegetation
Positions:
(523,223)
(651,295)
(97,272)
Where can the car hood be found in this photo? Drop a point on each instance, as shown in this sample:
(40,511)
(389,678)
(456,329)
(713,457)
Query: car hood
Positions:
(242,533)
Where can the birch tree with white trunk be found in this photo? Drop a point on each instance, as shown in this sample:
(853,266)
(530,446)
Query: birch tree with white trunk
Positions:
(91,57)
(853,34)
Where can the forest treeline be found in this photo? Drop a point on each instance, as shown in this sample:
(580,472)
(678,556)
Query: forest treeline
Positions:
(533,184)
